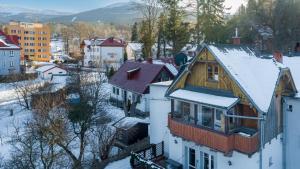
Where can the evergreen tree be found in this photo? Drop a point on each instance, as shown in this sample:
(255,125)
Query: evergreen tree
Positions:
(134,33)
(177,32)
(211,19)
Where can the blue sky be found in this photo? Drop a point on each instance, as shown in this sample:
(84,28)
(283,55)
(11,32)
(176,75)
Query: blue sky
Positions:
(60,5)
(79,5)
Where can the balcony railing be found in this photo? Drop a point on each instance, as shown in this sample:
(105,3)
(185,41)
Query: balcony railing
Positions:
(222,142)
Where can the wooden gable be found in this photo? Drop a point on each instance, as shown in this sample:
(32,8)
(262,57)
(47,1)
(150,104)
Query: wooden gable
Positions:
(198,72)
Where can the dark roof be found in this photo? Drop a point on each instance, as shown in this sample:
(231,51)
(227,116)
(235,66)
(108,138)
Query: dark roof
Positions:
(143,75)
(112,42)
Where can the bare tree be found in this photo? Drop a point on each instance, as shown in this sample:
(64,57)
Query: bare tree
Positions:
(150,11)
(24,91)
(102,141)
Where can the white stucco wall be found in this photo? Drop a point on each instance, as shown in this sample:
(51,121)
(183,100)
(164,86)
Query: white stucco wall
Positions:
(7,59)
(144,101)
(292,133)
(238,160)
(55,71)
(117,53)
(160,107)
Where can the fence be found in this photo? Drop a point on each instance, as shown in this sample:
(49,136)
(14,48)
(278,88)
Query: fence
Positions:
(145,158)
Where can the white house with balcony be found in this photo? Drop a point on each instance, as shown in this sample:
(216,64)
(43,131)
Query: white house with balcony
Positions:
(224,111)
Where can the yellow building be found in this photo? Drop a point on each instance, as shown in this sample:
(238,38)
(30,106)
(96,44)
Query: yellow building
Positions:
(34,39)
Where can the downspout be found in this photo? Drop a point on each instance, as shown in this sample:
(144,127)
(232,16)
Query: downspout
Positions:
(262,124)
(284,134)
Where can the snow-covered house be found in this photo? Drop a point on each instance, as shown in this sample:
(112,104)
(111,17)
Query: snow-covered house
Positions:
(58,52)
(9,54)
(130,85)
(134,51)
(226,110)
(46,72)
(103,53)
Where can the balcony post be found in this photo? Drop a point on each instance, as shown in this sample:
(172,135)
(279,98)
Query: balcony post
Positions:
(172,107)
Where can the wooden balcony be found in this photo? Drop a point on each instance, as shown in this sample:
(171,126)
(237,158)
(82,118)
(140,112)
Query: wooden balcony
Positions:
(222,142)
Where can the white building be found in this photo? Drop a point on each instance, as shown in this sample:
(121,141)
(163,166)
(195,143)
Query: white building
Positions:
(46,72)
(134,51)
(130,85)
(102,53)
(58,52)
(217,104)
(291,127)
(9,55)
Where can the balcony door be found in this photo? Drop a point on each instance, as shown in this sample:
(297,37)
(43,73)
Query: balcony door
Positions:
(192,159)
(212,118)
(207,161)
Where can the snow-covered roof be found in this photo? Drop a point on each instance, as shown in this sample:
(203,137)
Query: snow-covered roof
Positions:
(128,122)
(293,63)
(46,68)
(135,46)
(165,83)
(171,67)
(5,45)
(207,99)
(256,76)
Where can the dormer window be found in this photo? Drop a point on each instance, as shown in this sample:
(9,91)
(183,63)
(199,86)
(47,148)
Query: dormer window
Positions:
(212,72)
(131,73)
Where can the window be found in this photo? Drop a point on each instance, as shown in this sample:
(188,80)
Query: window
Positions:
(11,64)
(207,116)
(118,91)
(11,53)
(212,72)
(185,108)
(216,73)
(208,161)
(209,72)
(192,159)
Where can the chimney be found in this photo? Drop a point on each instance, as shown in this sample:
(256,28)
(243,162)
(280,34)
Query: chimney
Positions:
(236,40)
(278,56)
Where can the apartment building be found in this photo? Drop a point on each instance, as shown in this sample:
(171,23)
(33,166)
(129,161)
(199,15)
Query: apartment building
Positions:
(34,40)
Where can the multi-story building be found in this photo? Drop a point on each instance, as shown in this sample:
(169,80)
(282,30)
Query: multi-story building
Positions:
(34,40)
(224,110)
(9,54)
(103,53)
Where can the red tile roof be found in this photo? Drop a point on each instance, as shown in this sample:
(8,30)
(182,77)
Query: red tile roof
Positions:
(2,44)
(140,76)
(112,42)
(9,39)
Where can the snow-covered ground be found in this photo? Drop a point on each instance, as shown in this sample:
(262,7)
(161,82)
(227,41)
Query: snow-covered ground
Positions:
(121,164)
(7,90)
(9,123)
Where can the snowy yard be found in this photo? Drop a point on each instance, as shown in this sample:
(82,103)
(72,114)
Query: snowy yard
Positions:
(9,123)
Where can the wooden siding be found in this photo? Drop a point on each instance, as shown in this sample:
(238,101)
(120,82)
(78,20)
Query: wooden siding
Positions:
(198,77)
(247,111)
(217,141)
